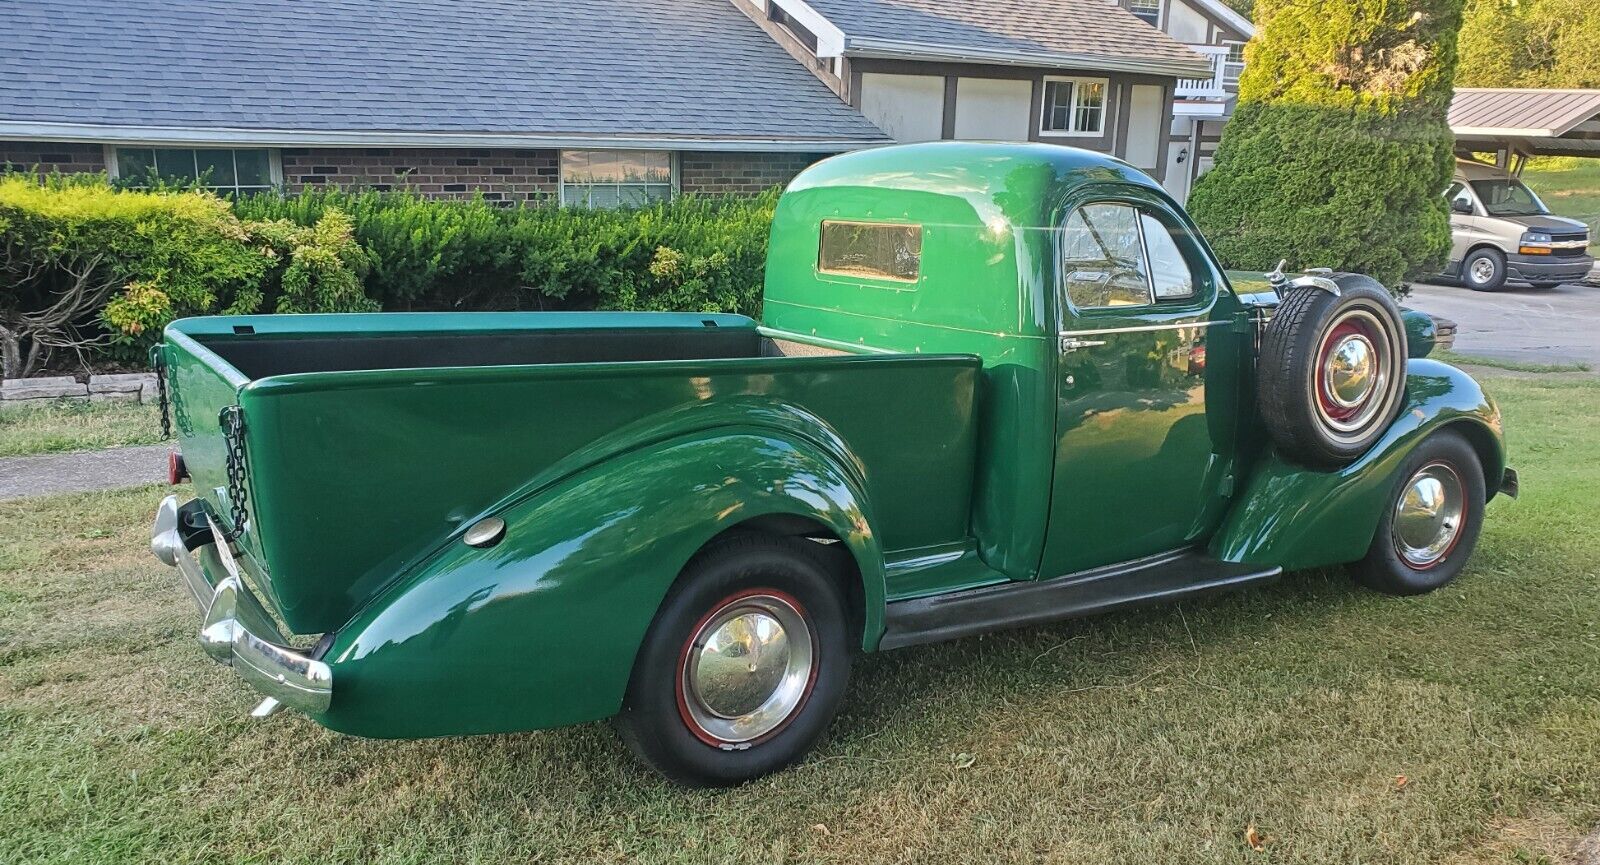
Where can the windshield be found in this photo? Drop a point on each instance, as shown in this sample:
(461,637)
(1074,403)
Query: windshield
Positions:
(1508,198)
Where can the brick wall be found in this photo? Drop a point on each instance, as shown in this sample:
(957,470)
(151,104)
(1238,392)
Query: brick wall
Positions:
(501,175)
(65,158)
(741,173)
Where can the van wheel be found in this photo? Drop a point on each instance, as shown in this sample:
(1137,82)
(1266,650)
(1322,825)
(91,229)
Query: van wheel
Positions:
(744,666)
(1431,522)
(1332,371)
(1484,270)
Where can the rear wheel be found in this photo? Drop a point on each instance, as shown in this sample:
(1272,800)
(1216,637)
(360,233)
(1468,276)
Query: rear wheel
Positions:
(1484,270)
(744,667)
(1431,523)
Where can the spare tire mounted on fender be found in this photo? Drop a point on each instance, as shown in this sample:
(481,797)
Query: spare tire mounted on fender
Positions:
(1331,374)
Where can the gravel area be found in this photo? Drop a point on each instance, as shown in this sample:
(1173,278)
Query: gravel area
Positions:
(92,470)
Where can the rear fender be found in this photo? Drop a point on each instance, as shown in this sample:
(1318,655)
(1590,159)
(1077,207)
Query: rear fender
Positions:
(1298,518)
(541,629)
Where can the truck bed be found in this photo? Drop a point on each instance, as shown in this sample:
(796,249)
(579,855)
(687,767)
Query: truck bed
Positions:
(371,438)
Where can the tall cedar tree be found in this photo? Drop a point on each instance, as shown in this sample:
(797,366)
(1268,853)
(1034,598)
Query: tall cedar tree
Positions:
(1340,149)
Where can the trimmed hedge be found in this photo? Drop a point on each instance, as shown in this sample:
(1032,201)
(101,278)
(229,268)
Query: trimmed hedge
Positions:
(155,255)
(1340,148)
(692,253)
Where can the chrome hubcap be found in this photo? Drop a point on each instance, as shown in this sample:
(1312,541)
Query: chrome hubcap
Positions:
(1428,516)
(1352,374)
(1350,371)
(1482,270)
(747,668)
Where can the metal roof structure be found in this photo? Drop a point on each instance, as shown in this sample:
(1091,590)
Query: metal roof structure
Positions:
(1529,122)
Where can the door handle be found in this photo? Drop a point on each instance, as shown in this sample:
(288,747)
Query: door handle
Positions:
(1073,343)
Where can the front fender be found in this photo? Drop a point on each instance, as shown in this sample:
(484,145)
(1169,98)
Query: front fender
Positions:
(541,630)
(1298,518)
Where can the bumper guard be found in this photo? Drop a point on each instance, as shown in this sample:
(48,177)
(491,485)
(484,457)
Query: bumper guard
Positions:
(235,629)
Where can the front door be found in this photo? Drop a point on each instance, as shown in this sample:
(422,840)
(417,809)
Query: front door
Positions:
(1143,449)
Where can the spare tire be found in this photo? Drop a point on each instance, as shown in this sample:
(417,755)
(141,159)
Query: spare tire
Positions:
(1332,370)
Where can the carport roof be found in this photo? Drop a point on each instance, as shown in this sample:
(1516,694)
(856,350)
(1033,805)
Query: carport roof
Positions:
(1539,122)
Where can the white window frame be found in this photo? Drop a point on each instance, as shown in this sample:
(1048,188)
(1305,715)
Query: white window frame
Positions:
(674,169)
(1140,15)
(274,157)
(1075,81)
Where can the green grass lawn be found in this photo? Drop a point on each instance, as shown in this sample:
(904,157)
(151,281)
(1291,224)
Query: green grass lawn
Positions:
(57,427)
(1156,736)
(1570,187)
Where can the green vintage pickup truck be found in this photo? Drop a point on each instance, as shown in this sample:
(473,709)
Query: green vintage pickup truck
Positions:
(993,386)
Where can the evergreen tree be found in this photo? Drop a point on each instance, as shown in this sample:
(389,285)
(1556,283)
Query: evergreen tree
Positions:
(1339,149)
(1530,43)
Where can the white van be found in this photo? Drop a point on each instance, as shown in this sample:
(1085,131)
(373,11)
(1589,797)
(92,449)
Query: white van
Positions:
(1500,230)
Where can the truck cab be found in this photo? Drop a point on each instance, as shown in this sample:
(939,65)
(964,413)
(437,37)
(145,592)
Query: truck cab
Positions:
(992,386)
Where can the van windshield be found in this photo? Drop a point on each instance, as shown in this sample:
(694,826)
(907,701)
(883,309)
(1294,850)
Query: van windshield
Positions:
(1508,197)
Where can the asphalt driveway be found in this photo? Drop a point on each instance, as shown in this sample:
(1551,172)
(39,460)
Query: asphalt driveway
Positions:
(1551,325)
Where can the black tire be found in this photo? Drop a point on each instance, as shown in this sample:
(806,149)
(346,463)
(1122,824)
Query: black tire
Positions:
(1295,382)
(1491,267)
(657,721)
(1391,566)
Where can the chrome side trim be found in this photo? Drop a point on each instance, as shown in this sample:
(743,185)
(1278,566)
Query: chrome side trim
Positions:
(235,629)
(1143,328)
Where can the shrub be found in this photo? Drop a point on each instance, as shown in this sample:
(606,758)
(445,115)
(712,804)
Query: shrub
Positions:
(84,267)
(441,255)
(70,245)
(1340,148)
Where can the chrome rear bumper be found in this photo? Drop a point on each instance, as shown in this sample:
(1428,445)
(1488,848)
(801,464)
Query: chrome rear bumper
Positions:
(235,629)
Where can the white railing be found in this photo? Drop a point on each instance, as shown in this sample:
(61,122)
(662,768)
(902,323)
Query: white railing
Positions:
(1213,87)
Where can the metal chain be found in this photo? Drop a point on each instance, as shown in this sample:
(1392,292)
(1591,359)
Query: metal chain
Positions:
(232,420)
(160,362)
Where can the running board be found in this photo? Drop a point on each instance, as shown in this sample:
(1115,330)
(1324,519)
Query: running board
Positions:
(1155,579)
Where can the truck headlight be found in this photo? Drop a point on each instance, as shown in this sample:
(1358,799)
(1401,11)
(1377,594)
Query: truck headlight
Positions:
(1535,237)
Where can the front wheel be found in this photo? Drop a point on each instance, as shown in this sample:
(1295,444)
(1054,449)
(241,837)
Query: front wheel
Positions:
(1484,270)
(1432,519)
(744,666)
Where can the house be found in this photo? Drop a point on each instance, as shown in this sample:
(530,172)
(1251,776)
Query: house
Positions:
(594,101)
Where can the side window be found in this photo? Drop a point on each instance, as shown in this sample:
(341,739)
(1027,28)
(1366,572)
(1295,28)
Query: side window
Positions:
(877,250)
(1169,273)
(1102,258)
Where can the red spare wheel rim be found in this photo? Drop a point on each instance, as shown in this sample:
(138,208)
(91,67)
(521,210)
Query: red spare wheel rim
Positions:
(747,668)
(1353,374)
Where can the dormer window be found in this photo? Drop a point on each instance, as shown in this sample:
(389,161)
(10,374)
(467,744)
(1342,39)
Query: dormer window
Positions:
(1148,11)
(778,16)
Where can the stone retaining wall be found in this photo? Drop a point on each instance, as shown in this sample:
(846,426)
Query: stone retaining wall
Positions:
(137,387)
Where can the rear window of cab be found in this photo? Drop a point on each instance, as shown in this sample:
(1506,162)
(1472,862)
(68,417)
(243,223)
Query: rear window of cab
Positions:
(870,250)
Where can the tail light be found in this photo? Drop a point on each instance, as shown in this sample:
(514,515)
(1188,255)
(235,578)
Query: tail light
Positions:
(177,472)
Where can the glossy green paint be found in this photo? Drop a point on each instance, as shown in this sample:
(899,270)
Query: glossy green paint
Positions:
(1146,433)
(331,532)
(541,629)
(953,446)
(1295,518)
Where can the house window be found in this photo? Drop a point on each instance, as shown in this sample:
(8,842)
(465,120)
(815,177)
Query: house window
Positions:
(778,16)
(1147,10)
(615,178)
(1074,106)
(877,250)
(1233,64)
(230,172)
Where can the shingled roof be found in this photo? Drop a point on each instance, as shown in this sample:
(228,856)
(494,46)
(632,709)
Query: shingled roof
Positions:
(692,73)
(1094,34)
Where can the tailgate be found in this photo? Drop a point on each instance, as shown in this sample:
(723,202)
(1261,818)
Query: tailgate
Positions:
(201,385)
